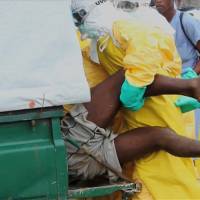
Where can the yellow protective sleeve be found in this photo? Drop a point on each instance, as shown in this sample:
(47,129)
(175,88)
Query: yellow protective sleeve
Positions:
(147,50)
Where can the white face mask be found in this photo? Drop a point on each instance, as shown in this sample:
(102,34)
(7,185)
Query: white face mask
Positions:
(89,29)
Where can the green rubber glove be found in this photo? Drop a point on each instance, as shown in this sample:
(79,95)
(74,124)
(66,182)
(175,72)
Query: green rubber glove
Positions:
(132,97)
(187,104)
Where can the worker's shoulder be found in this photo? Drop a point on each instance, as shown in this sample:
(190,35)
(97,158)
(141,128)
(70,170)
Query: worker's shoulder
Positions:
(128,25)
(189,20)
(132,32)
(127,29)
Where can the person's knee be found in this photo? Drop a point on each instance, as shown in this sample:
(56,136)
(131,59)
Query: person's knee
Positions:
(156,131)
(157,136)
(163,136)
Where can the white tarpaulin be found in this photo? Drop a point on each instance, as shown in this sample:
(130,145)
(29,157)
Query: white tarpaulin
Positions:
(40,59)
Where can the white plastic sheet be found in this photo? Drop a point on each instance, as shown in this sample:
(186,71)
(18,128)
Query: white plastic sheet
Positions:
(40,59)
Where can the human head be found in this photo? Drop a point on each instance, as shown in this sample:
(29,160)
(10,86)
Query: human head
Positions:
(82,8)
(94,18)
(164,6)
(84,14)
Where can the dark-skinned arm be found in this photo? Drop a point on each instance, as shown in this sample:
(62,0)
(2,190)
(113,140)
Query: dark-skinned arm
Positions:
(167,85)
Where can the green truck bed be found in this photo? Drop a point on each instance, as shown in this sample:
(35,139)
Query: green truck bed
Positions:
(33,162)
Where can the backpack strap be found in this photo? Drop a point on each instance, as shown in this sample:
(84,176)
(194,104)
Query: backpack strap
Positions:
(181,20)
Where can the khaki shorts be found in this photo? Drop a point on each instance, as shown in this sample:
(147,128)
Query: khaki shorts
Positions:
(98,141)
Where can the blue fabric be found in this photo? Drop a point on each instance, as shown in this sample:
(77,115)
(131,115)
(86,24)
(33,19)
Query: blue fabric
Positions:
(187,52)
(197,123)
(132,97)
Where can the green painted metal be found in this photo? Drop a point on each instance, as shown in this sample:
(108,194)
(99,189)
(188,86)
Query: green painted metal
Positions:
(61,170)
(32,156)
(30,115)
(103,190)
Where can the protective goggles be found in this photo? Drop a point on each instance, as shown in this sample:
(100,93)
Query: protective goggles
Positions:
(79,16)
(131,4)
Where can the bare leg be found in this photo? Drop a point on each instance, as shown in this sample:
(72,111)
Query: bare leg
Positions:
(167,85)
(139,142)
(105,100)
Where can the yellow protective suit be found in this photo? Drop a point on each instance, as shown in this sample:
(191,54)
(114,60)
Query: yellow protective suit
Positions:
(144,52)
(95,74)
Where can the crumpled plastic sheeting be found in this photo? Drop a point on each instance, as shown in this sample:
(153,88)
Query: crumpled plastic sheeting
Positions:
(40,59)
